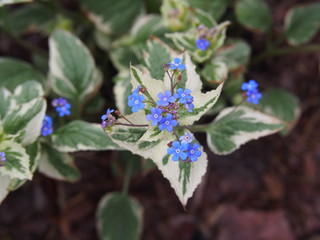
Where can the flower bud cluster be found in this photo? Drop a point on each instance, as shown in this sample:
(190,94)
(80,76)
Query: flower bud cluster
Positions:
(204,36)
(184,149)
(62,106)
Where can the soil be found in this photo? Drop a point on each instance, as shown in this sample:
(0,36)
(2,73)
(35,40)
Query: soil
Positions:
(268,189)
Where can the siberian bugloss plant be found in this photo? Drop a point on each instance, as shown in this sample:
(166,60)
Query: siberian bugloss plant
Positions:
(172,69)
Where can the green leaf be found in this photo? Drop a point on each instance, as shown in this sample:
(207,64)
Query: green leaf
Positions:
(34,16)
(157,54)
(18,162)
(34,152)
(215,72)
(5,2)
(302,23)
(72,67)
(14,72)
(235,54)
(146,26)
(25,120)
(235,126)
(216,8)
(57,165)
(254,14)
(113,17)
(28,91)
(282,105)
(79,136)
(119,217)
(122,57)
(130,138)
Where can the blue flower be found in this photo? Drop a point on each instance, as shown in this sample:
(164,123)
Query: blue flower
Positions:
(135,101)
(165,99)
(177,150)
(188,105)
(193,153)
(202,44)
(62,106)
(183,95)
(3,158)
(253,97)
(105,116)
(186,138)
(177,64)
(249,86)
(46,126)
(168,123)
(64,110)
(155,116)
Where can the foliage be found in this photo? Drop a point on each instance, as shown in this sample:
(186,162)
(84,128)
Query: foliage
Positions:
(175,72)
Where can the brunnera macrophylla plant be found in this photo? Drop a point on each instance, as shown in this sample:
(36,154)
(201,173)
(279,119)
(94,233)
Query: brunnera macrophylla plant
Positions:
(164,112)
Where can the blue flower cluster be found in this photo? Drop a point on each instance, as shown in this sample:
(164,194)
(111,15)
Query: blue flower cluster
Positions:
(184,150)
(135,100)
(62,106)
(46,126)
(165,114)
(107,119)
(3,158)
(202,43)
(252,93)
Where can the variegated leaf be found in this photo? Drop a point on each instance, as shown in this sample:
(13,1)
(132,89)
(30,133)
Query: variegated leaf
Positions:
(25,120)
(4,185)
(34,152)
(57,165)
(7,102)
(28,91)
(18,161)
(183,177)
(79,136)
(5,2)
(235,126)
(15,72)
(72,68)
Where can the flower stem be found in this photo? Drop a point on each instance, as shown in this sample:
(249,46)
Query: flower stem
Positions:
(132,125)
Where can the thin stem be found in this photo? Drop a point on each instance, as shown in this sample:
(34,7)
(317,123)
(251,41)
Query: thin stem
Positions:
(126,119)
(127,177)
(199,128)
(175,134)
(132,125)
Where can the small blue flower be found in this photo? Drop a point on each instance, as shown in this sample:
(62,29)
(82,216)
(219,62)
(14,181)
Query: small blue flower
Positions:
(183,95)
(193,152)
(186,138)
(165,99)
(3,158)
(135,101)
(202,44)
(62,106)
(177,150)
(177,64)
(46,126)
(64,110)
(253,97)
(168,123)
(155,116)
(249,86)
(188,105)
(105,116)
